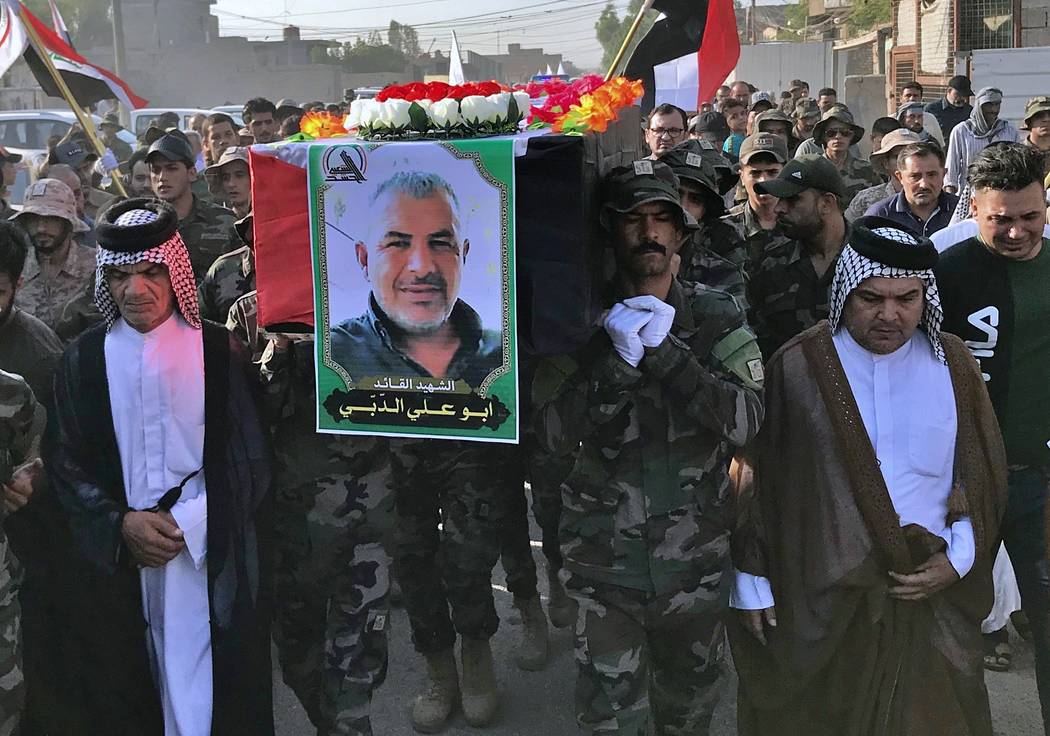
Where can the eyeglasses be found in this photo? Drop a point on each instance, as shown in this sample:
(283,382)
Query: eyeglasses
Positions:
(836,132)
(669,132)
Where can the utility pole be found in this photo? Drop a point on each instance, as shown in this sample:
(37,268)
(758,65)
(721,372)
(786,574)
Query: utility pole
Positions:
(118,50)
(751,17)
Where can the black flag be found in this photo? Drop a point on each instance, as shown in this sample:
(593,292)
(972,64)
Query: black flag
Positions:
(678,34)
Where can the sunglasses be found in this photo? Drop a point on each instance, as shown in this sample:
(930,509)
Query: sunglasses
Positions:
(838,132)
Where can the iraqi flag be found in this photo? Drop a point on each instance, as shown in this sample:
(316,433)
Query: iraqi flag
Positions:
(704,30)
(88,83)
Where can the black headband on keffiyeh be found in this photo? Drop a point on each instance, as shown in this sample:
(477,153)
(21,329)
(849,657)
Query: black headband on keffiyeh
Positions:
(881,247)
(144,230)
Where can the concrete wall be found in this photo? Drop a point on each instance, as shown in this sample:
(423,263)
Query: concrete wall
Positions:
(866,97)
(1035,23)
(1020,73)
(772,66)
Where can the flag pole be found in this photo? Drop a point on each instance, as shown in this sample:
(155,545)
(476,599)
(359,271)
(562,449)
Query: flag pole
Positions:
(631,33)
(85,122)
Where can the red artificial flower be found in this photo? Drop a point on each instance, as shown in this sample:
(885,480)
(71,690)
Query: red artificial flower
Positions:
(437,91)
(390,92)
(488,88)
(413,91)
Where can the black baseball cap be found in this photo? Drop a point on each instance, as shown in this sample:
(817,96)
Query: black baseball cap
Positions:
(73,153)
(809,171)
(961,84)
(173,146)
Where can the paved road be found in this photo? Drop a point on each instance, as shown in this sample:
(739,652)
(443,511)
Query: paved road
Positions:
(541,702)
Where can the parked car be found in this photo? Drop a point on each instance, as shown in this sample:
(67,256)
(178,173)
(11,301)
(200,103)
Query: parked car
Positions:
(27,132)
(143,117)
(234,111)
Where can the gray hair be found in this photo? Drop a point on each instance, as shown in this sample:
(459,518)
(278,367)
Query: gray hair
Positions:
(418,185)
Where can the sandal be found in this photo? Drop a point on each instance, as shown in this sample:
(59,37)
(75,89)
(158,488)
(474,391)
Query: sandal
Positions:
(999,658)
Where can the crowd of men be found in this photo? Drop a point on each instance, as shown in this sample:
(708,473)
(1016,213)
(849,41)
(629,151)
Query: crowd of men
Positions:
(815,407)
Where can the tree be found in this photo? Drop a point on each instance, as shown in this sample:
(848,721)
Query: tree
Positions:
(796,16)
(88,20)
(869,13)
(403,38)
(611,29)
(371,55)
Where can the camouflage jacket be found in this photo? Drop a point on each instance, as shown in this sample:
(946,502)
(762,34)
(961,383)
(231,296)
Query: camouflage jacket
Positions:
(857,174)
(46,298)
(206,230)
(715,256)
(757,240)
(866,198)
(647,502)
(785,295)
(229,278)
(21,424)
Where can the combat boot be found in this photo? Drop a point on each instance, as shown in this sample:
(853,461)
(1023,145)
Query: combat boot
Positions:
(532,655)
(560,607)
(479,697)
(431,709)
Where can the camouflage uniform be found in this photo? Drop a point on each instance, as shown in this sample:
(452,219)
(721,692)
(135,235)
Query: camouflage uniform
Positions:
(206,230)
(21,422)
(857,174)
(757,240)
(464,486)
(46,298)
(229,278)
(331,570)
(715,256)
(786,295)
(866,198)
(645,523)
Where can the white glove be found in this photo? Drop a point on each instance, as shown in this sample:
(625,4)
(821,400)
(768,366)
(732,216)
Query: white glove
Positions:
(623,325)
(655,332)
(108,162)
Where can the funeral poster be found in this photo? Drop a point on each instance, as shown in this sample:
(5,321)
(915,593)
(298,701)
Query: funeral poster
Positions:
(413,263)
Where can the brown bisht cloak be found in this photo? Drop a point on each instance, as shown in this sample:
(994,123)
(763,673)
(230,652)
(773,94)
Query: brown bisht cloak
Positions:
(815,517)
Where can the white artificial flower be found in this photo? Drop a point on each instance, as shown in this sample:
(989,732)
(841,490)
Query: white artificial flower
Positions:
(476,110)
(394,114)
(444,113)
(524,103)
(502,103)
(368,114)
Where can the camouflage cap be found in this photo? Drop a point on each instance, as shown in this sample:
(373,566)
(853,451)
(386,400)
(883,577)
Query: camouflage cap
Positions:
(111,119)
(642,182)
(808,171)
(1035,106)
(52,198)
(763,143)
(231,154)
(841,114)
(687,162)
(772,116)
(806,108)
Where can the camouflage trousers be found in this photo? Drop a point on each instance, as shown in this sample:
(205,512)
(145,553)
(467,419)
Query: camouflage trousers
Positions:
(649,661)
(463,487)
(546,473)
(12,684)
(333,513)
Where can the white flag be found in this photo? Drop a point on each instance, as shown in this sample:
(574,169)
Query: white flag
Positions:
(12,37)
(455,64)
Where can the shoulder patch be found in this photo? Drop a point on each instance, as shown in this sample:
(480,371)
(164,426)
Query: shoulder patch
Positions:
(739,354)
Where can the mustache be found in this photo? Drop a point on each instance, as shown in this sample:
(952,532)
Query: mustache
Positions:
(431,279)
(648,246)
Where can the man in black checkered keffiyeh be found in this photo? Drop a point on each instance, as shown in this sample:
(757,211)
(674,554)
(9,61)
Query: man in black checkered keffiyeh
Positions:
(144,230)
(881,248)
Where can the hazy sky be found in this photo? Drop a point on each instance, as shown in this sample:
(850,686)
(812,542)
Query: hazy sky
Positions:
(565,26)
